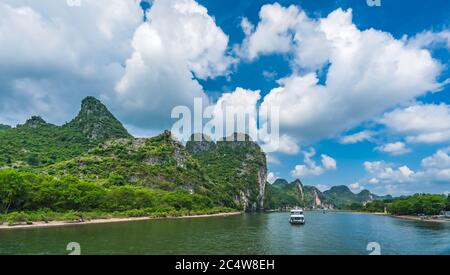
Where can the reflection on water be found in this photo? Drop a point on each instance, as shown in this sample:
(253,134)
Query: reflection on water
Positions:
(330,233)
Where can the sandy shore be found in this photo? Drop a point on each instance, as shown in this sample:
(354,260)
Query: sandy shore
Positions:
(416,218)
(112,220)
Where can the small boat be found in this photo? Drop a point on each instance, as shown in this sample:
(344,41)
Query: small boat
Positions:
(297,216)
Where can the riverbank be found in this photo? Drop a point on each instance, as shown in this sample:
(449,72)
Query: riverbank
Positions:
(403,217)
(421,219)
(42,224)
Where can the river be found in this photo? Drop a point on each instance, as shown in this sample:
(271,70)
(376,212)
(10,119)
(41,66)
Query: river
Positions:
(269,233)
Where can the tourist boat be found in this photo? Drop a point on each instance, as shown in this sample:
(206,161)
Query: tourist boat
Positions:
(297,216)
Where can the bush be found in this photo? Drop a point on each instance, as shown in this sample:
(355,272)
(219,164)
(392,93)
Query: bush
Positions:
(17,217)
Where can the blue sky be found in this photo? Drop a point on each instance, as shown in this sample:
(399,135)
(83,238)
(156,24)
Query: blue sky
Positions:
(396,17)
(378,116)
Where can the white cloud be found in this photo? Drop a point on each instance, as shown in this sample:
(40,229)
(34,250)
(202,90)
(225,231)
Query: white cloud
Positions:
(426,123)
(431,39)
(271,33)
(288,145)
(380,171)
(322,187)
(310,168)
(328,162)
(369,72)
(52,55)
(247,26)
(436,168)
(356,186)
(271,177)
(395,148)
(241,103)
(440,159)
(269,75)
(433,174)
(179,41)
(357,137)
(271,159)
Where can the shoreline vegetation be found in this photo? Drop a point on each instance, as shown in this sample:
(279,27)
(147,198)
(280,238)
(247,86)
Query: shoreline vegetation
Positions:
(21,220)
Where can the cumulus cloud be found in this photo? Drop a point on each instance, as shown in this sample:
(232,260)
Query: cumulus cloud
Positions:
(357,137)
(369,71)
(356,186)
(52,55)
(287,145)
(310,168)
(440,160)
(431,39)
(381,171)
(283,30)
(434,173)
(271,177)
(436,167)
(395,148)
(179,41)
(424,123)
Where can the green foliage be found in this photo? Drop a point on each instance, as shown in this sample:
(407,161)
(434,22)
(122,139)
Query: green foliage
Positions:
(37,143)
(29,217)
(96,123)
(425,204)
(355,206)
(93,164)
(158,162)
(4,127)
(12,191)
(21,191)
(376,206)
(40,145)
(282,196)
(447,206)
(418,204)
(233,168)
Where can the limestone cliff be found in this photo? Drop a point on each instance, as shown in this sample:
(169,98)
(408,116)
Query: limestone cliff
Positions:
(237,167)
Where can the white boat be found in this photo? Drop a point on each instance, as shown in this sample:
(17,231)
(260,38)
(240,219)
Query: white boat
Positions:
(297,216)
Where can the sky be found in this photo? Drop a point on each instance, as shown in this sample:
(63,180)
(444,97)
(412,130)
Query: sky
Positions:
(362,91)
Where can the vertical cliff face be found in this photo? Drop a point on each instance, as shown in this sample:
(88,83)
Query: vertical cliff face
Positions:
(237,167)
(317,201)
(300,191)
(262,181)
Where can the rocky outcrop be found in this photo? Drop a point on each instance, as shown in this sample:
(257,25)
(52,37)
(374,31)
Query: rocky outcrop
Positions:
(262,181)
(236,165)
(299,186)
(35,121)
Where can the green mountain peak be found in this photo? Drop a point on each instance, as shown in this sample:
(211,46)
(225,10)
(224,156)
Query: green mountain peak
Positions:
(35,121)
(96,122)
(280,182)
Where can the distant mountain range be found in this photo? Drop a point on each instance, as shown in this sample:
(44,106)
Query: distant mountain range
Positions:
(282,194)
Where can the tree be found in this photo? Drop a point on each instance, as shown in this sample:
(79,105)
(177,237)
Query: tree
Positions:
(447,207)
(12,189)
